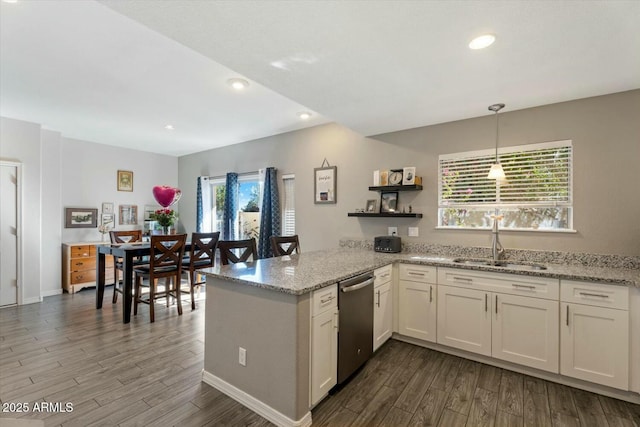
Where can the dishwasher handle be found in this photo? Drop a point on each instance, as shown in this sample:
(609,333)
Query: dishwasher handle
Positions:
(357,286)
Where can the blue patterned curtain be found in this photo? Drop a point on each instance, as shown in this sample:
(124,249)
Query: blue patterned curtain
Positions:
(269,213)
(230,215)
(203,205)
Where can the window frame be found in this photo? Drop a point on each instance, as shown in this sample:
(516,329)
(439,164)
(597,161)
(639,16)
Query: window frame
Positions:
(497,203)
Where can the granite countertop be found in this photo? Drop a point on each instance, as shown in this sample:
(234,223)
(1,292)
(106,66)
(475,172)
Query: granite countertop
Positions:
(305,272)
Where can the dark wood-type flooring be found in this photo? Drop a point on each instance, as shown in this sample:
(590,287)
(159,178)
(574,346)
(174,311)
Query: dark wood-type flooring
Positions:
(64,350)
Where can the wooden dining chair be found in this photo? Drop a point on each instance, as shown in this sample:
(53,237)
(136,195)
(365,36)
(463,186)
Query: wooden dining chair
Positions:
(228,248)
(285,245)
(124,236)
(165,261)
(201,255)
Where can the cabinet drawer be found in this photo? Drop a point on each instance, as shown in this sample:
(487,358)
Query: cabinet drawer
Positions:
(83,276)
(595,294)
(324,299)
(514,284)
(382,275)
(83,251)
(83,264)
(418,273)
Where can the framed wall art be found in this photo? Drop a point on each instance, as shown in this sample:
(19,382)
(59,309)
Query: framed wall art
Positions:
(372,206)
(324,184)
(125,181)
(409,175)
(128,215)
(389,202)
(107,208)
(81,218)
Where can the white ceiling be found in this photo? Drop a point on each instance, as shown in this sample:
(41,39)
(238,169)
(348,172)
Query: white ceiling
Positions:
(116,72)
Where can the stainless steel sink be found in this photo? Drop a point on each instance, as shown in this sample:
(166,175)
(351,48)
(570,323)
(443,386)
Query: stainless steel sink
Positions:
(504,264)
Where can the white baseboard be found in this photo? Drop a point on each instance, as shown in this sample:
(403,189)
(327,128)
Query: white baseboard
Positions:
(257,406)
(32,300)
(51,292)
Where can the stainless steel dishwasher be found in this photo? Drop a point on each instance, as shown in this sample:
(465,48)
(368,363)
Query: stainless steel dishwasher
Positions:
(355,325)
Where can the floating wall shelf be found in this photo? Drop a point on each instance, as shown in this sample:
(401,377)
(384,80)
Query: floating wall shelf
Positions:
(396,188)
(386,215)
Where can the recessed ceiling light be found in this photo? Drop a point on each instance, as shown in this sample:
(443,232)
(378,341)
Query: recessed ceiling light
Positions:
(10,1)
(482,41)
(169,127)
(304,115)
(238,84)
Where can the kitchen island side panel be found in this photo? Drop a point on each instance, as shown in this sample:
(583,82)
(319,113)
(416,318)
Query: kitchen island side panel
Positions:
(273,327)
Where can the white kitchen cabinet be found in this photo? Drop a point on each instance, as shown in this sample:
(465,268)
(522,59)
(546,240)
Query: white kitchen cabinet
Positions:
(417,294)
(382,307)
(509,317)
(324,342)
(464,319)
(595,333)
(525,331)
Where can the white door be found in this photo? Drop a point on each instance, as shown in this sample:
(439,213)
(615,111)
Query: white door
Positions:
(417,310)
(9,234)
(464,319)
(594,344)
(382,315)
(525,331)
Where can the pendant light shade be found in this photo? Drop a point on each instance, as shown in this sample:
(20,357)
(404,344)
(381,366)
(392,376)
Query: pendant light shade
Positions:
(496,172)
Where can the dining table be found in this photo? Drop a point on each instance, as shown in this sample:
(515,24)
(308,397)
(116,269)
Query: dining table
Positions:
(127,252)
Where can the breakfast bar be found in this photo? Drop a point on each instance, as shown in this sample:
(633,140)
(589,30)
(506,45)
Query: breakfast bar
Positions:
(260,321)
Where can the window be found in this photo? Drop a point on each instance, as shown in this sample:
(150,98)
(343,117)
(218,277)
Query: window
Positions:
(249,186)
(289,211)
(536,196)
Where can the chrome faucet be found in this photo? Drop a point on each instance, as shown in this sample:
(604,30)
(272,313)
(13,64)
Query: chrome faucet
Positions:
(496,247)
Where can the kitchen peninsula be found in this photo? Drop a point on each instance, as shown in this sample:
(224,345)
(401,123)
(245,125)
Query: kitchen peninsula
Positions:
(258,334)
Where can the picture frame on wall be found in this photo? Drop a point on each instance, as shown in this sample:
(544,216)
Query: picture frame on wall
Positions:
(384,178)
(125,180)
(128,215)
(107,219)
(389,202)
(372,206)
(107,208)
(409,175)
(81,218)
(324,184)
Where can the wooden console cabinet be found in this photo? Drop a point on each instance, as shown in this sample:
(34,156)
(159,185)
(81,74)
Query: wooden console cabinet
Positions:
(79,266)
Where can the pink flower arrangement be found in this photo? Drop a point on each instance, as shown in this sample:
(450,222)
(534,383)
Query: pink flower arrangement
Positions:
(165,217)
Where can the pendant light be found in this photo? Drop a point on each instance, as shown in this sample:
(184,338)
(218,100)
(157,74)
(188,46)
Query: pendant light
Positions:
(496,172)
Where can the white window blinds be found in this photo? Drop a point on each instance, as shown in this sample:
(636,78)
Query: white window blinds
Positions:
(539,176)
(289,211)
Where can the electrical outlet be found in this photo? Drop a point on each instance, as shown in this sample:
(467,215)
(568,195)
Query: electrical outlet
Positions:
(414,232)
(242,356)
(392,231)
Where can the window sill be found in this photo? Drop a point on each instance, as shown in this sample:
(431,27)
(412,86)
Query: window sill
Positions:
(528,230)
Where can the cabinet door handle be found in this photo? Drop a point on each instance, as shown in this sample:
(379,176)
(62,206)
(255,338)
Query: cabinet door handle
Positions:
(486,302)
(326,300)
(589,294)
(430,293)
(496,303)
(464,279)
(515,285)
(378,303)
(336,321)
(567,314)
(415,273)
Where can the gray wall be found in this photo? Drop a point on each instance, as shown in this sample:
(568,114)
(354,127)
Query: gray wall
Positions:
(59,172)
(605,132)
(277,364)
